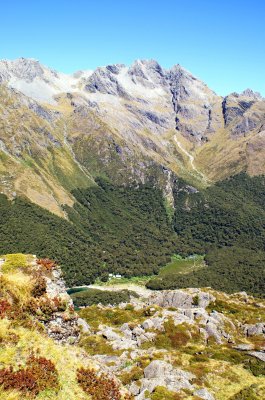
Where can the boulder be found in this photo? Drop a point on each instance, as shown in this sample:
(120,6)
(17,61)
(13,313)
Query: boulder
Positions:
(258,354)
(204,299)
(161,373)
(204,394)
(171,298)
(109,334)
(254,329)
(83,325)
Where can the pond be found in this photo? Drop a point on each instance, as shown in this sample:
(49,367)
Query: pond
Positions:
(76,289)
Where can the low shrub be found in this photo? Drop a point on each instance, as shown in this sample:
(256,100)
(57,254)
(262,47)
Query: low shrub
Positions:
(95,344)
(174,336)
(39,374)
(134,374)
(98,386)
(162,393)
(109,316)
(47,263)
(249,393)
(39,287)
(4,307)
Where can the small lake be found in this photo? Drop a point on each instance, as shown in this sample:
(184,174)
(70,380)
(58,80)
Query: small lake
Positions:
(76,289)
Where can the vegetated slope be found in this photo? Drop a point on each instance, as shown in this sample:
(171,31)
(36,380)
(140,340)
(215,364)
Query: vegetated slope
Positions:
(227,222)
(39,332)
(182,344)
(126,230)
(112,229)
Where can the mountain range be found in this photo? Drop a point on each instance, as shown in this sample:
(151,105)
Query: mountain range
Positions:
(132,235)
(136,124)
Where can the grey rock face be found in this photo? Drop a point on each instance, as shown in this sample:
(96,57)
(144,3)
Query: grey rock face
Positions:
(55,286)
(103,80)
(204,394)
(42,112)
(171,298)
(242,113)
(195,119)
(134,389)
(109,334)
(148,72)
(204,299)
(63,330)
(251,94)
(156,118)
(212,331)
(22,68)
(83,325)
(187,104)
(255,329)
(161,373)
(258,354)
(157,369)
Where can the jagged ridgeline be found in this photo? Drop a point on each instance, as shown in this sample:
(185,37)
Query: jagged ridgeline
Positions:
(127,230)
(110,229)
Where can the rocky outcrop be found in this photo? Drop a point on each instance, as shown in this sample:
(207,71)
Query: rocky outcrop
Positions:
(196,118)
(161,373)
(62,324)
(23,68)
(204,394)
(243,113)
(181,299)
(254,329)
(176,333)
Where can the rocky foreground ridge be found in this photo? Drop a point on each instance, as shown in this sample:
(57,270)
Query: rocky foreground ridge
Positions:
(39,332)
(180,341)
(177,344)
(139,123)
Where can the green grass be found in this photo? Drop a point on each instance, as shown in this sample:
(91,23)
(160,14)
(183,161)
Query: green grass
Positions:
(137,280)
(179,265)
(14,261)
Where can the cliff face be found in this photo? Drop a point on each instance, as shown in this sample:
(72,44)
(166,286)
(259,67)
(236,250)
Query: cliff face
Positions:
(126,123)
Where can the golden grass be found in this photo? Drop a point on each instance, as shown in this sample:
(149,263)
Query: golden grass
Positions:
(67,360)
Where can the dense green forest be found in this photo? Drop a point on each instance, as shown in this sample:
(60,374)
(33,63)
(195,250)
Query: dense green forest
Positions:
(227,223)
(231,212)
(126,230)
(110,229)
(89,297)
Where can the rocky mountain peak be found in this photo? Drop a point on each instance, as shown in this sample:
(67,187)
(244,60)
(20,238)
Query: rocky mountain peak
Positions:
(251,94)
(22,68)
(104,80)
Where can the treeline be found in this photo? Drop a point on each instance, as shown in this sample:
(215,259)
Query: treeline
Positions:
(110,230)
(227,222)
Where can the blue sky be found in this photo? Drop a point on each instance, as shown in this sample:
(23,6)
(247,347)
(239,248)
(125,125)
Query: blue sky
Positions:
(220,41)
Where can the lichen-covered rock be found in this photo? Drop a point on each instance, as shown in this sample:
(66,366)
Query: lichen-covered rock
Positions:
(161,373)
(171,298)
(258,354)
(204,394)
(254,329)
(63,329)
